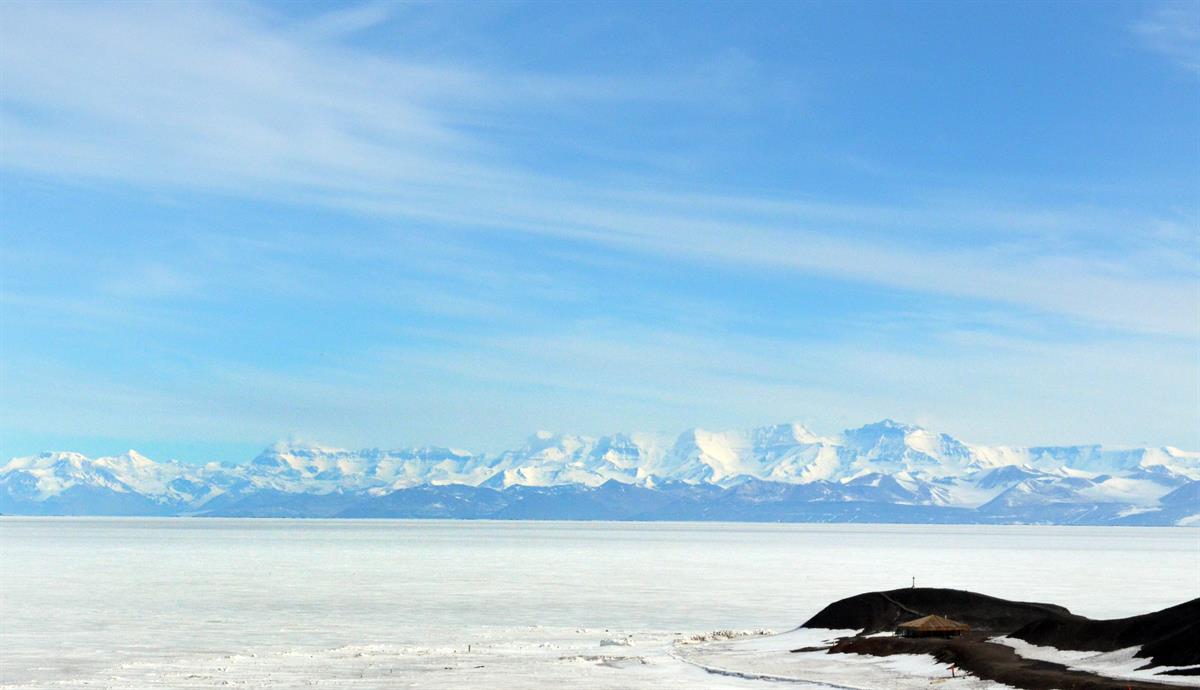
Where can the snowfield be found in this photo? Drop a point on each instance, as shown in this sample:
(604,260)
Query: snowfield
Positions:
(770,658)
(150,603)
(1120,663)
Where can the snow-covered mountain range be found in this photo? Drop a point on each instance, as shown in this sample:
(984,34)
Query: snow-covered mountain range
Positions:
(879,472)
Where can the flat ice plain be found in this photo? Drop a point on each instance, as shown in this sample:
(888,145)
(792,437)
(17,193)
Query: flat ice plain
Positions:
(189,603)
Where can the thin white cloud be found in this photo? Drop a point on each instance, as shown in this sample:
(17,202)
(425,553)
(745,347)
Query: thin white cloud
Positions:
(340,22)
(1173,30)
(213,98)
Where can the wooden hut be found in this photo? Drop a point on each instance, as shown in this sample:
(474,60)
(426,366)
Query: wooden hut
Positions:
(932,626)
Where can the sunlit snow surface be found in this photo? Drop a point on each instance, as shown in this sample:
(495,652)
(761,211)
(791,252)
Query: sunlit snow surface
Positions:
(178,603)
(1120,663)
(769,658)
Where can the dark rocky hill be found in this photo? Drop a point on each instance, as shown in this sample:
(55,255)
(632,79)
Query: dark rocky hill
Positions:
(882,611)
(1166,638)
(1170,637)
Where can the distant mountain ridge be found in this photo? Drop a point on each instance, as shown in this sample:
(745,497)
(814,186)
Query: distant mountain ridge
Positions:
(885,472)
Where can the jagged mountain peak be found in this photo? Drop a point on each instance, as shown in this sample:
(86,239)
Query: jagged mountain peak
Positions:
(884,462)
(885,427)
(790,432)
(294,445)
(544,440)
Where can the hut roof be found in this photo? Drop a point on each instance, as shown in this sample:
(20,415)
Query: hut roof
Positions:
(934,624)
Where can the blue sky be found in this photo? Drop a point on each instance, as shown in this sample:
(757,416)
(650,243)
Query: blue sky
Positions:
(455,223)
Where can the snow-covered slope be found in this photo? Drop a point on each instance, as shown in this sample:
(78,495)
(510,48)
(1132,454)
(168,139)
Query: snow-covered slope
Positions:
(315,469)
(548,459)
(40,477)
(785,452)
(882,463)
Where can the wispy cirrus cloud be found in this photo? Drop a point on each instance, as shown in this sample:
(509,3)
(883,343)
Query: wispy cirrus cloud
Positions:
(373,239)
(198,97)
(1172,29)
